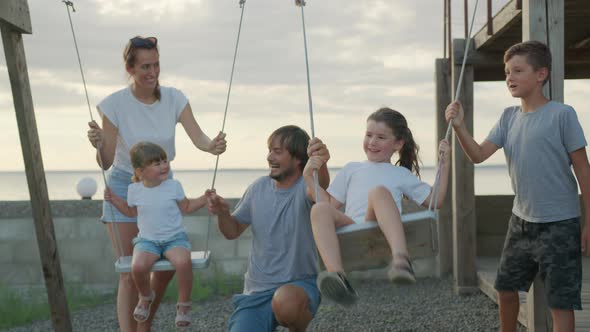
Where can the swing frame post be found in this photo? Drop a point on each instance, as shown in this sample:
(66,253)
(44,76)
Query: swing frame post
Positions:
(14,21)
(445,213)
(463,190)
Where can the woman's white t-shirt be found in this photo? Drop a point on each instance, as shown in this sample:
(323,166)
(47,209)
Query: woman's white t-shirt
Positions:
(139,122)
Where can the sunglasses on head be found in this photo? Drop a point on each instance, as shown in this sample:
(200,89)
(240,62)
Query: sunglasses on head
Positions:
(148,42)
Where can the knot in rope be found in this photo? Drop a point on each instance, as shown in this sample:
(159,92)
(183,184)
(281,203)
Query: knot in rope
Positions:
(69,3)
(300,3)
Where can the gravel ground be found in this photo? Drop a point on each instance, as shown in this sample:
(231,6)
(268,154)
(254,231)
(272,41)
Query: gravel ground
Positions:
(430,305)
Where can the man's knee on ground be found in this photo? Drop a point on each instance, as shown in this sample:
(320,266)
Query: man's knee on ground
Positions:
(320,210)
(289,304)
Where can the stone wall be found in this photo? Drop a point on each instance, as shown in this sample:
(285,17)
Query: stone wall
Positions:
(85,250)
(87,255)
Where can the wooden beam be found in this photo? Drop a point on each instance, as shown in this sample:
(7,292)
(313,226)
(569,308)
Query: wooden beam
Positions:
(538,24)
(23,104)
(445,213)
(555,40)
(15,15)
(464,235)
(506,17)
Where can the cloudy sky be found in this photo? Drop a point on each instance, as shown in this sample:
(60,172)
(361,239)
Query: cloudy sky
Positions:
(363,55)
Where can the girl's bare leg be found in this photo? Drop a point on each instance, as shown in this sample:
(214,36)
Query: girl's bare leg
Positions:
(180,258)
(141,265)
(383,209)
(159,282)
(325,219)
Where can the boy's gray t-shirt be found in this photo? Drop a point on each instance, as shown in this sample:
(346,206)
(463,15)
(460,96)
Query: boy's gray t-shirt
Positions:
(283,248)
(537,147)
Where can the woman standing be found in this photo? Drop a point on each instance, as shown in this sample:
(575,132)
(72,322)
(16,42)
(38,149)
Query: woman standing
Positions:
(142,111)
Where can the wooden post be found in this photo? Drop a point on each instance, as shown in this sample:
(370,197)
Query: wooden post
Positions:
(543,20)
(464,223)
(445,224)
(23,104)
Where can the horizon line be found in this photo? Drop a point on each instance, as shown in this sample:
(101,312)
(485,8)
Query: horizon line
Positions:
(230,169)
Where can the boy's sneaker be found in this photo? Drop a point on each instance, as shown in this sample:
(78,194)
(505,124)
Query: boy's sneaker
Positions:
(335,286)
(403,273)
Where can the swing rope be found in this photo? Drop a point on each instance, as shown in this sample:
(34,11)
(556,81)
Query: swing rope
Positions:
(457,94)
(301,3)
(231,79)
(118,244)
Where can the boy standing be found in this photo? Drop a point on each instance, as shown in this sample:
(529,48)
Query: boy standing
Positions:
(542,140)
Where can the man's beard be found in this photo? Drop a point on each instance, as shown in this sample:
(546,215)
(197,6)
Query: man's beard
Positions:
(283,175)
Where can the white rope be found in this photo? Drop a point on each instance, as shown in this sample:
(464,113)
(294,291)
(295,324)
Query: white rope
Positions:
(301,3)
(436,193)
(231,79)
(100,162)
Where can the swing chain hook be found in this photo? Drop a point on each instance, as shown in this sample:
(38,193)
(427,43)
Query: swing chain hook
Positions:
(300,3)
(69,3)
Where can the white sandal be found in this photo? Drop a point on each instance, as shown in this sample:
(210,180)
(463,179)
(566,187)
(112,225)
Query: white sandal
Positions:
(183,319)
(142,314)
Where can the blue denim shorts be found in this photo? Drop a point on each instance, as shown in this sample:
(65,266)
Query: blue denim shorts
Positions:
(158,248)
(253,312)
(118,180)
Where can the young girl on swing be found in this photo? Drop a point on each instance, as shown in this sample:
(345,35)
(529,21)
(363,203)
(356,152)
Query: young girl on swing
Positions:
(158,202)
(371,190)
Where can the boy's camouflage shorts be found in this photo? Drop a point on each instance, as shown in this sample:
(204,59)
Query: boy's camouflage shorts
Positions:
(551,249)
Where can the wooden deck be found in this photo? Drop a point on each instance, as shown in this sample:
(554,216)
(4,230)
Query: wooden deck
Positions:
(486,273)
(507,30)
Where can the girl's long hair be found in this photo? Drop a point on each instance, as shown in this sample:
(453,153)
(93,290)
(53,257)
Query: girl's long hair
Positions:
(408,155)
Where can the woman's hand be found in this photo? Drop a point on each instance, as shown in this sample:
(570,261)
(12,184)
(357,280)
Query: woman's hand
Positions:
(95,135)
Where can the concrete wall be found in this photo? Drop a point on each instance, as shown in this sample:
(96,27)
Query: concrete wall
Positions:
(87,256)
(85,250)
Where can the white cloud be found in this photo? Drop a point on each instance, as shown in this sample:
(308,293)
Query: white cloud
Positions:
(150,9)
(409,58)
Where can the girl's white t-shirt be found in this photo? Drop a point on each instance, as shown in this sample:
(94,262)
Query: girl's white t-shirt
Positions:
(353,182)
(138,122)
(158,215)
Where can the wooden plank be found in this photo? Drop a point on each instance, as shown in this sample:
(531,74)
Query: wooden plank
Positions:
(543,20)
(366,247)
(463,197)
(199,260)
(23,104)
(555,37)
(537,310)
(445,213)
(14,14)
(502,22)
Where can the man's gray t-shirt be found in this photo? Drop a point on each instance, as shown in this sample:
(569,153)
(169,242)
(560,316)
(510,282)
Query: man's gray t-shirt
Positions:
(537,147)
(283,248)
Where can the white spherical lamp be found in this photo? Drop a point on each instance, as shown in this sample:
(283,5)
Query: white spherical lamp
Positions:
(86,187)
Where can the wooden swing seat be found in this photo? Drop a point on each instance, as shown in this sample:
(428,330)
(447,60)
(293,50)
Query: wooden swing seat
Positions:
(200,260)
(363,246)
